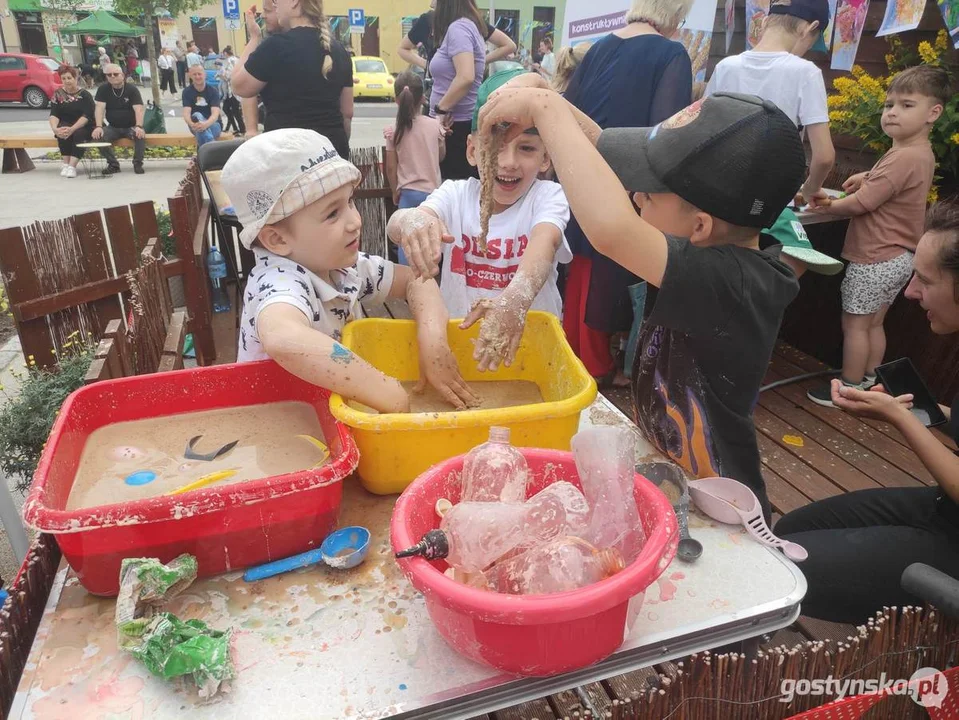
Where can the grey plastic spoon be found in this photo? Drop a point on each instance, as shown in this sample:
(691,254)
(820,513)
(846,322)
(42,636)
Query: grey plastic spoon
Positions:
(689,548)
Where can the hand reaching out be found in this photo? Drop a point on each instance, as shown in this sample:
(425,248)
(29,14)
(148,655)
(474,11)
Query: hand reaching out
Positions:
(251,26)
(421,236)
(500,332)
(854,182)
(875,403)
(438,367)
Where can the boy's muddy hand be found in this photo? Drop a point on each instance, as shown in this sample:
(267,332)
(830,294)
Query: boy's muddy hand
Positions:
(529,80)
(421,237)
(500,332)
(438,367)
(518,106)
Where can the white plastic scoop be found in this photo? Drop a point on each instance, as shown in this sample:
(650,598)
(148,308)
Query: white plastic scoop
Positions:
(731,502)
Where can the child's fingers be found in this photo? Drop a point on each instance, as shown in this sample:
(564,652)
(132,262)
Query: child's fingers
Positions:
(513,348)
(476,313)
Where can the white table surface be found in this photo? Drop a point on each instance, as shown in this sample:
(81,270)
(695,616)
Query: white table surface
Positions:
(317,643)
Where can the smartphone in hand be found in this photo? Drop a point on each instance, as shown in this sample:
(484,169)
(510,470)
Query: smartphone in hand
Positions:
(900,377)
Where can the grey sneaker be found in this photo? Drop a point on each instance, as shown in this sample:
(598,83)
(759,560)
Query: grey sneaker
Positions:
(869,382)
(823,395)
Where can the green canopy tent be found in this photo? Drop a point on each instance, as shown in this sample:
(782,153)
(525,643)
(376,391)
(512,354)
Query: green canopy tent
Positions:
(101,22)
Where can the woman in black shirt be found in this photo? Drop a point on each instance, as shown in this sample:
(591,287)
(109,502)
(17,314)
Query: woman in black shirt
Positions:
(71,113)
(860,543)
(302,75)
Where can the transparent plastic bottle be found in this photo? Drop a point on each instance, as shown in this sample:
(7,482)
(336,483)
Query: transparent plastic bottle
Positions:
(473,535)
(564,563)
(557,509)
(216,269)
(605,461)
(495,471)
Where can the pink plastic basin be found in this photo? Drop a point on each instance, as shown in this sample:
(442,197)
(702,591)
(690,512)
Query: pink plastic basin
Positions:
(533,634)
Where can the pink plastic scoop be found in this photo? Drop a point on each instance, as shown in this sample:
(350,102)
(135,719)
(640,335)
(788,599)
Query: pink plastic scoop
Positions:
(731,502)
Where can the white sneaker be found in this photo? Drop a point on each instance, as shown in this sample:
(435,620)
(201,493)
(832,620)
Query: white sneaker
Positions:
(70,172)
(63,171)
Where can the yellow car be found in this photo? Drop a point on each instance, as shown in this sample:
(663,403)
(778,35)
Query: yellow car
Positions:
(371,78)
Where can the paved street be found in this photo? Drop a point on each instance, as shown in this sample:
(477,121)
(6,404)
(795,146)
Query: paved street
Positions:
(30,196)
(368,123)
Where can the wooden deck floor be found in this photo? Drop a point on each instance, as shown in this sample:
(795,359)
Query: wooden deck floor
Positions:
(808,453)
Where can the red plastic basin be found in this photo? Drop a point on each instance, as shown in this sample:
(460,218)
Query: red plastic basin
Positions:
(227,527)
(532,634)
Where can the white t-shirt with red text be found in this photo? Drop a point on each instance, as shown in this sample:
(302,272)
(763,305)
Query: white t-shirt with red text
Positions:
(468,274)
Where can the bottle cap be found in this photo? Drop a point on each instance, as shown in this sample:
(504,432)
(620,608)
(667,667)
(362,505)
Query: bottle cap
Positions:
(433,546)
(499,434)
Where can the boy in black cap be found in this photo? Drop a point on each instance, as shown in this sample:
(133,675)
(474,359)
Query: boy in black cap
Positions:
(707,180)
(776,71)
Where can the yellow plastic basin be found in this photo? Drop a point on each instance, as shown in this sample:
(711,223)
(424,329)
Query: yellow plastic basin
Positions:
(395,448)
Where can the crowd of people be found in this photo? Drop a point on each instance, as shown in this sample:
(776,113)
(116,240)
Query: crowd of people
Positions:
(618,204)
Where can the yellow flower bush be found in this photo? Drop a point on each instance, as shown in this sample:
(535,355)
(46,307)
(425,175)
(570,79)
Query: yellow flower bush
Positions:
(856,107)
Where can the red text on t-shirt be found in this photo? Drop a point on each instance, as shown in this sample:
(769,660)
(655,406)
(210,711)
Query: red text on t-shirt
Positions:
(467,256)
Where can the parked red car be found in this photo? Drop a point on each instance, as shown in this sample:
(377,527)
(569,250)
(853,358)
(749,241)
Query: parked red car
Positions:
(30,79)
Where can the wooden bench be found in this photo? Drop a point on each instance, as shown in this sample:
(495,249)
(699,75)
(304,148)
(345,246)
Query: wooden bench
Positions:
(16,160)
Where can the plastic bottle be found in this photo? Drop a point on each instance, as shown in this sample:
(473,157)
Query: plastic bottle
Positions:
(495,471)
(557,509)
(605,461)
(216,269)
(565,563)
(473,535)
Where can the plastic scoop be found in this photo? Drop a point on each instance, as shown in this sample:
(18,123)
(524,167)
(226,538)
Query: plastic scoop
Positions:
(689,549)
(343,549)
(208,479)
(731,502)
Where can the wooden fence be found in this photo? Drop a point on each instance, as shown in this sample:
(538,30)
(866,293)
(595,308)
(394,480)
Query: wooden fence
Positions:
(68,276)
(154,340)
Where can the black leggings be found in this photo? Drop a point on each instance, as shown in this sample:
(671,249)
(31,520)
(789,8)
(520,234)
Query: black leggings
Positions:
(234,115)
(860,543)
(68,147)
(455,166)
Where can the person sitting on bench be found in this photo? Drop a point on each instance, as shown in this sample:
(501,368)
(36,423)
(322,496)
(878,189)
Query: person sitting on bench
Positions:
(201,107)
(120,104)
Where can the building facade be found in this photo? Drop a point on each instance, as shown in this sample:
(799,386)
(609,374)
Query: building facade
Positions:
(32,26)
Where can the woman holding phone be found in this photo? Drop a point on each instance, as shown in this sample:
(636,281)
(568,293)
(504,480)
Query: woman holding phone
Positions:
(860,543)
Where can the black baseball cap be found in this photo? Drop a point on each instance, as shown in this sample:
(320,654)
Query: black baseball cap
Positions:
(808,10)
(737,157)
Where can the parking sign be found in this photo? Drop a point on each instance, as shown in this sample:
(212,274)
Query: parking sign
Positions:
(357,20)
(231,9)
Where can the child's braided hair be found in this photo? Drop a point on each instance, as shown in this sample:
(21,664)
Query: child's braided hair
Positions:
(313,10)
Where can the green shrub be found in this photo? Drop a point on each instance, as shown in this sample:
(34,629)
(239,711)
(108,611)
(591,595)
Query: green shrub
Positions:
(126,153)
(25,420)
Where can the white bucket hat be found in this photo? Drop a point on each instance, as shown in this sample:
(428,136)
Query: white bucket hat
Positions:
(271,176)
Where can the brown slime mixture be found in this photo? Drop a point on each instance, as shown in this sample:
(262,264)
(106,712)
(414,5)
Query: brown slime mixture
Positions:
(267,446)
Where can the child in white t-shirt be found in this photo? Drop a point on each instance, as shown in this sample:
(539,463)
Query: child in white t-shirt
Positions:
(518,271)
(776,71)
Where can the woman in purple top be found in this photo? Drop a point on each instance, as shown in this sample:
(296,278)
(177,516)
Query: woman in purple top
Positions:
(457,70)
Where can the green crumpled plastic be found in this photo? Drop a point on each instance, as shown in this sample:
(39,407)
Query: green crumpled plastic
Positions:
(168,646)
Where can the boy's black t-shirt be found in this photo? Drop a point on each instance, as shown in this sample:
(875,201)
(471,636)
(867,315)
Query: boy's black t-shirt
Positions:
(201,102)
(296,93)
(703,353)
(119,110)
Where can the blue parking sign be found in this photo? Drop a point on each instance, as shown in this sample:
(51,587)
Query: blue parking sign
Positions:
(357,20)
(231,9)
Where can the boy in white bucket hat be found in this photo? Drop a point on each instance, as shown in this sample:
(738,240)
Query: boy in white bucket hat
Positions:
(294,196)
